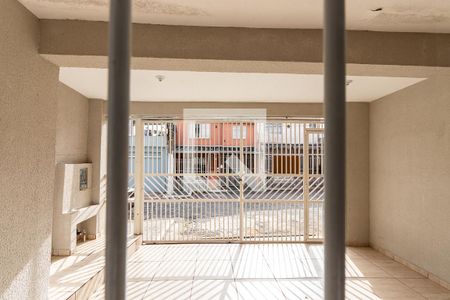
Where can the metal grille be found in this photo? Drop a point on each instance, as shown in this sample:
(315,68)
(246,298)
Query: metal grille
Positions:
(232,181)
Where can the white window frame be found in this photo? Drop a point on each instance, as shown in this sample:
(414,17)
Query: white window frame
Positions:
(236,132)
(203,132)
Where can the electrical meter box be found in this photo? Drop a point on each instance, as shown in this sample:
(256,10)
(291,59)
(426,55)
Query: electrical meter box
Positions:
(77,186)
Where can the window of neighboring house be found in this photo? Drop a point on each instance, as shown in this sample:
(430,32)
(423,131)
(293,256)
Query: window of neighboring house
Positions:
(237,132)
(154,130)
(274,131)
(201,131)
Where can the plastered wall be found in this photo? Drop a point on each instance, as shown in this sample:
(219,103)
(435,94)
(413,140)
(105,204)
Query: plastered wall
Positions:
(28,109)
(96,150)
(357,176)
(71,126)
(71,147)
(410,175)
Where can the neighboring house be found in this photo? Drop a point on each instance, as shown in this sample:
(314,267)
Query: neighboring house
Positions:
(156,158)
(187,156)
(205,147)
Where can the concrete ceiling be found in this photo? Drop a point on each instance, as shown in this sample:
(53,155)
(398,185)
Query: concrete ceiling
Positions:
(153,85)
(378,15)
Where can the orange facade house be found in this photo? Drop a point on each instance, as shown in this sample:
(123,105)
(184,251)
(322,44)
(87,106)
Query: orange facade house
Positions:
(208,145)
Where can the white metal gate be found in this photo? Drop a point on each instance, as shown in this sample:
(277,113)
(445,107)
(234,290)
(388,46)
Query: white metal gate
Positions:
(228,181)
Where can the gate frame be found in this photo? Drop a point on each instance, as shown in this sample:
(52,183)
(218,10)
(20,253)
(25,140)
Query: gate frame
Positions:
(139,177)
(306,177)
(140,174)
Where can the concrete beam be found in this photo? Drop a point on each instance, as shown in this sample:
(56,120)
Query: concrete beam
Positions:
(62,39)
(176,109)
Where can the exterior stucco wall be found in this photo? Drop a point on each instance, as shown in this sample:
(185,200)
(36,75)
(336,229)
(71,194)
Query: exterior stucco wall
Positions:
(410,175)
(71,126)
(94,144)
(357,176)
(357,149)
(28,95)
(71,147)
(96,152)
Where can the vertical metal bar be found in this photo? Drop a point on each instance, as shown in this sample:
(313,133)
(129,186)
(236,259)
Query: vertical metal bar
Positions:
(241,184)
(305,184)
(334,63)
(152,151)
(139,177)
(118,114)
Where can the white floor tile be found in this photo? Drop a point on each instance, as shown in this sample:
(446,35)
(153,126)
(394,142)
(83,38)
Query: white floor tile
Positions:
(391,288)
(169,290)
(252,271)
(57,293)
(363,268)
(213,252)
(249,268)
(214,289)
(259,290)
(292,269)
(356,289)
(135,291)
(426,288)
(246,252)
(311,251)
(213,269)
(176,270)
(182,252)
(312,267)
(302,288)
(397,270)
(142,270)
(149,253)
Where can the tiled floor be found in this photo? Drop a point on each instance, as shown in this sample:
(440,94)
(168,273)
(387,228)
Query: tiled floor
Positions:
(69,274)
(269,271)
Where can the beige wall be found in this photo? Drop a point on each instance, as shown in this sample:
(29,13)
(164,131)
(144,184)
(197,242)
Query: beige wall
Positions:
(28,93)
(71,38)
(357,176)
(71,147)
(71,126)
(96,152)
(410,175)
(357,149)
(94,148)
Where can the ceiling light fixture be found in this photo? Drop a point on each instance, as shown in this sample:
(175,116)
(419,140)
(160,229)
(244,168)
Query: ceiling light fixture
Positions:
(377,9)
(160,77)
(348,81)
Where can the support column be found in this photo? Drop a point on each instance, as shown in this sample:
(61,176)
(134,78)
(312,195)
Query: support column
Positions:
(305,185)
(334,62)
(118,113)
(139,178)
(241,184)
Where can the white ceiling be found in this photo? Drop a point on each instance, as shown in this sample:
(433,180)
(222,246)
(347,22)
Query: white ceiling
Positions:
(229,87)
(396,15)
